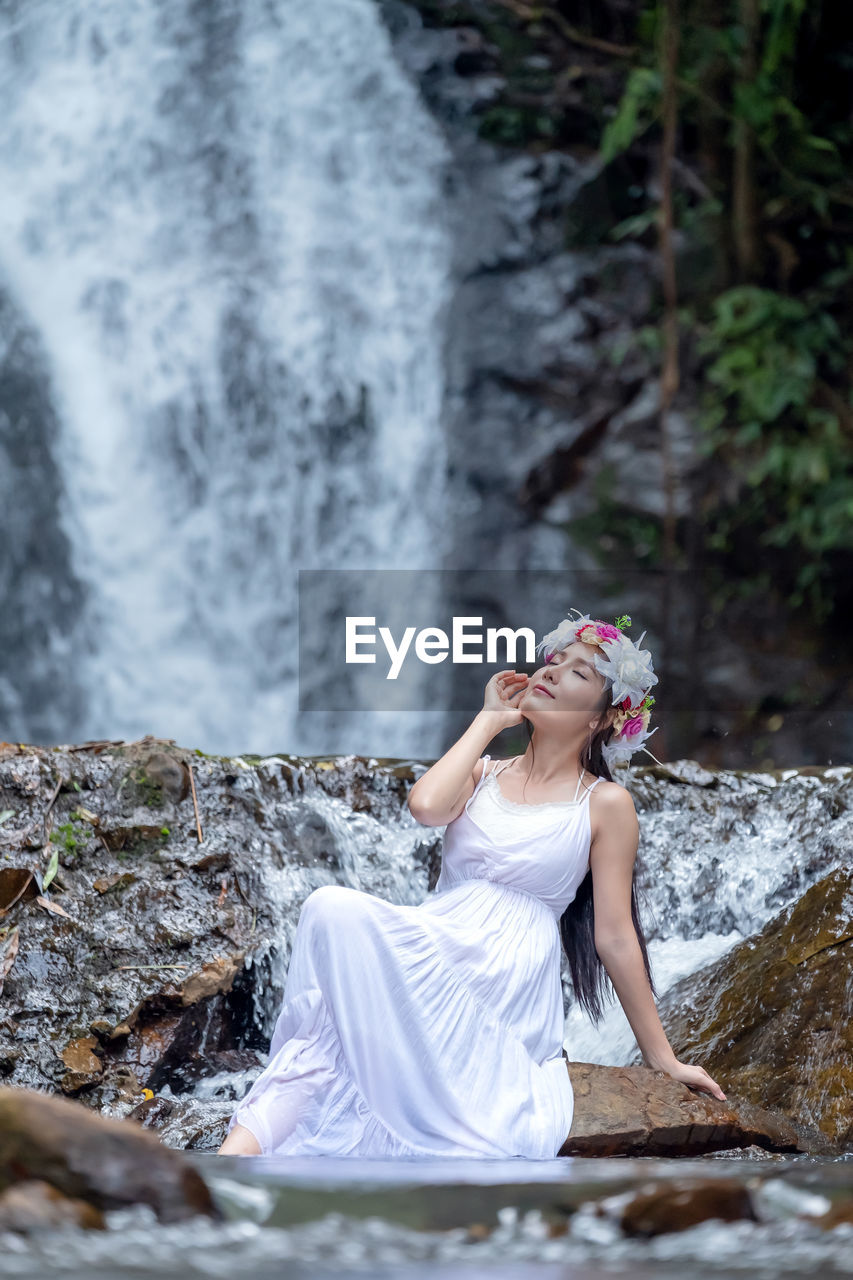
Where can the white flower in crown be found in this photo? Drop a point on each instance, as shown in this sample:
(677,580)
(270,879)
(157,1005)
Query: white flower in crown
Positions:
(619,751)
(628,668)
(564,634)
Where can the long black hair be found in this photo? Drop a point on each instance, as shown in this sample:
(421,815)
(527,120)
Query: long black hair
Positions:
(577,923)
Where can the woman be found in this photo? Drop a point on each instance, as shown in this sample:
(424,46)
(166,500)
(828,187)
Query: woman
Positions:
(437,1030)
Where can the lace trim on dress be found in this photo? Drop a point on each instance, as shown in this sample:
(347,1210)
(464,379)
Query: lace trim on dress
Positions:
(491,777)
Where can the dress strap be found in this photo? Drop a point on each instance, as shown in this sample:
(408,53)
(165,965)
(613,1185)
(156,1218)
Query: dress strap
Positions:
(506,763)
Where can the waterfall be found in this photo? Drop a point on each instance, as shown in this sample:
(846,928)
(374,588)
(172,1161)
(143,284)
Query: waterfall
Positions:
(223,226)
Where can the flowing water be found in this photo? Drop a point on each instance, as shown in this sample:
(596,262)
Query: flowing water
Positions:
(463,1219)
(221,228)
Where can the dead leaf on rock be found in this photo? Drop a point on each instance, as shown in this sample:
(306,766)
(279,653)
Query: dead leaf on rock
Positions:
(78,1056)
(110,882)
(15,883)
(215,976)
(212,861)
(86,815)
(53,907)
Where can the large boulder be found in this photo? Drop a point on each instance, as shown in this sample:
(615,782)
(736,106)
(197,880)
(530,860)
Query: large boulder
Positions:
(106,1163)
(771,1019)
(635,1111)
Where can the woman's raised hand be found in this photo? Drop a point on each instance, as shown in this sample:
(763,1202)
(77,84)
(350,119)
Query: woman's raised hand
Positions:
(503,694)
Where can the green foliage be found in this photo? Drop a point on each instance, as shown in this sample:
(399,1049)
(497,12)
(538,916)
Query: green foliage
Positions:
(776,412)
(515,126)
(69,835)
(769,357)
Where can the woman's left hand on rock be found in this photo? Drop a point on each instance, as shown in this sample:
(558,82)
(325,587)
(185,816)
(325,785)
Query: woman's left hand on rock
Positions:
(697,1078)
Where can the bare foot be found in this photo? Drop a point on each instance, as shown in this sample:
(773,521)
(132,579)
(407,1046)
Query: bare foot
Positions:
(240,1142)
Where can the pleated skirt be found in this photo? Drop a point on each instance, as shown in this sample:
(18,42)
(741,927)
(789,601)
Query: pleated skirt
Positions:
(429,1030)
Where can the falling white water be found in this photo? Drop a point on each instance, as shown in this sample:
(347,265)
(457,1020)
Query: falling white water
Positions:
(223,223)
(612,1042)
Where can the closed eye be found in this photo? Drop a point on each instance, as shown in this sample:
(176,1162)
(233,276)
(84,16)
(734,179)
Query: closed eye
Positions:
(550,663)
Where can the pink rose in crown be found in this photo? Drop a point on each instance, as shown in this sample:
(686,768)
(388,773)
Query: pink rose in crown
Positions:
(633,727)
(606,631)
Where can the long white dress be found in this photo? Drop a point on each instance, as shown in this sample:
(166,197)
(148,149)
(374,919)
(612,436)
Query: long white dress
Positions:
(437,1029)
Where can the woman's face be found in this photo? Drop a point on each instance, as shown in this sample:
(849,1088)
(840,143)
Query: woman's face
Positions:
(571,682)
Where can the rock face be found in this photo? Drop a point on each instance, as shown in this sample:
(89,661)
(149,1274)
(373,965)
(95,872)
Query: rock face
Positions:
(144,976)
(94,1160)
(148,959)
(134,959)
(772,1019)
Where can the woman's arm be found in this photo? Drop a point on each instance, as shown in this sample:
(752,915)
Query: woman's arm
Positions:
(612,855)
(439,795)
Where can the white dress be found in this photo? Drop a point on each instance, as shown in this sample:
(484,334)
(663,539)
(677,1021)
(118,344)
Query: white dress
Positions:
(437,1029)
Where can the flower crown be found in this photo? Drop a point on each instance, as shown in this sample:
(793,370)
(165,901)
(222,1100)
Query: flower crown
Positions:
(627,669)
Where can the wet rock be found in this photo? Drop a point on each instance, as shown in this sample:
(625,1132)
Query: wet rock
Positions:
(186,1123)
(153,1112)
(683,1204)
(170,775)
(163,1038)
(770,1020)
(150,943)
(635,1111)
(35,1205)
(108,1163)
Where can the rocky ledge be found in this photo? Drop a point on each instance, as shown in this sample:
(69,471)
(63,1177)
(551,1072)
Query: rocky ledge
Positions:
(148,895)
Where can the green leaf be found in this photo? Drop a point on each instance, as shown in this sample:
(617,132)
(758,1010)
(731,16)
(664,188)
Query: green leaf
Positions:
(51,869)
(821,144)
(639,104)
(636,225)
